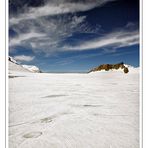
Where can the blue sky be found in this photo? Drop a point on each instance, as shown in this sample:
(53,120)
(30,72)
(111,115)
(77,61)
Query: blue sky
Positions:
(74,35)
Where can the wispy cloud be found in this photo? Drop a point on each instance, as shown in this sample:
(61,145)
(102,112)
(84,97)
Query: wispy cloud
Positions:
(47,35)
(113,40)
(57,7)
(24,58)
(24,38)
(46,28)
(50,41)
(43,28)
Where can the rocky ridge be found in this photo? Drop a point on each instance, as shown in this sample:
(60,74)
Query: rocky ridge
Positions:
(108,67)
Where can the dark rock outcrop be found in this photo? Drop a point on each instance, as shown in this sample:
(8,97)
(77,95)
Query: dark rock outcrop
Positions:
(126,70)
(108,67)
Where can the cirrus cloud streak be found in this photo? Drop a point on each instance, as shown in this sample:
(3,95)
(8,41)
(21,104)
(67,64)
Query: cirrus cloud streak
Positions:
(24,58)
(57,7)
(111,40)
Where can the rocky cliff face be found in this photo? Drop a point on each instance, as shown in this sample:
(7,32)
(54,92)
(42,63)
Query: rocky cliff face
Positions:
(108,67)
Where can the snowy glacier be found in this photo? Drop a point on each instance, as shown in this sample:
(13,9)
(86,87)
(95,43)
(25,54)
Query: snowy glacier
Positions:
(73,110)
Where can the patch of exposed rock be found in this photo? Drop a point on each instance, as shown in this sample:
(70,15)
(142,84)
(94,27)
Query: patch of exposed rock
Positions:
(108,67)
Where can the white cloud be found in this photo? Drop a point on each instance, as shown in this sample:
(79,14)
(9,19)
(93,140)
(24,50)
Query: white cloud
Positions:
(112,40)
(47,35)
(52,44)
(57,7)
(42,34)
(50,34)
(25,58)
(24,37)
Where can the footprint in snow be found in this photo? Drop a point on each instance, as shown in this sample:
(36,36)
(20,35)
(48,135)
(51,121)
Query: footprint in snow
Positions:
(55,96)
(46,120)
(32,135)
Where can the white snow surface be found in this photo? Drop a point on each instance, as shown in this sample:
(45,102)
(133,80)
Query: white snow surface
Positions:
(96,110)
(14,67)
(31,68)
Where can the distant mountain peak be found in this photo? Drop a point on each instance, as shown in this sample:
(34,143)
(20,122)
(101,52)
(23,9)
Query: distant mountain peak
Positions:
(32,68)
(18,67)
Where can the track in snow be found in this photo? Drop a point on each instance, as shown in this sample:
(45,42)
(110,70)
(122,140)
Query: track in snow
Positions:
(97,110)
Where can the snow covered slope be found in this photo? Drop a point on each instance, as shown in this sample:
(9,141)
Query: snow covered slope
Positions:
(32,68)
(132,69)
(14,66)
(96,110)
(12,60)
